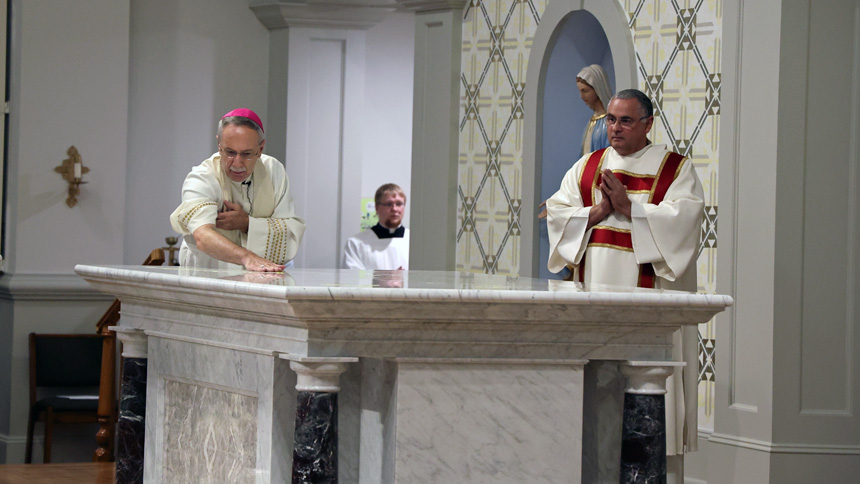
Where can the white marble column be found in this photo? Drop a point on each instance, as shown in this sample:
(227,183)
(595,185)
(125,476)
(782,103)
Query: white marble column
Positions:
(435,132)
(317,88)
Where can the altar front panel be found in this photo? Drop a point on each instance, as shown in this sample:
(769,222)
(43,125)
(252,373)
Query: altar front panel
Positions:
(220,413)
(489,421)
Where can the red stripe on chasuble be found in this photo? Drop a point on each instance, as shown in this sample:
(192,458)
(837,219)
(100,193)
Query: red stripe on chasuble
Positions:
(587,182)
(621,240)
(667,174)
(635,183)
(588,179)
(646,276)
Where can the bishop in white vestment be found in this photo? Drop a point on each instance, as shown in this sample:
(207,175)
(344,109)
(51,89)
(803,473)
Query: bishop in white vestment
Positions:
(236,210)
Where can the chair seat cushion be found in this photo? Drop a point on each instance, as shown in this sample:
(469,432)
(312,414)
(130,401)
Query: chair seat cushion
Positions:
(65,404)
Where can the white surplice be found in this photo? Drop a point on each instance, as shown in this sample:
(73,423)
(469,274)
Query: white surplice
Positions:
(366,250)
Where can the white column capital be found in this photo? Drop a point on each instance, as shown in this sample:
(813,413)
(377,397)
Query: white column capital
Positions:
(318,374)
(134,341)
(648,377)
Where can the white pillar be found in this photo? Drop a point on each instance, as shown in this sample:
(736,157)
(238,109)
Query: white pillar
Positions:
(788,372)
(435,133)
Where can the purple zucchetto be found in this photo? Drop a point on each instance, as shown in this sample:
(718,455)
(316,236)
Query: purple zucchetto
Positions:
(246,113)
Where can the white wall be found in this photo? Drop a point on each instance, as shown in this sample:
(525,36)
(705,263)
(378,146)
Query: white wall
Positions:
(138,88)
(348,124)
(390,50)
(324,136)
(435,139)
(69,86)
(191,61)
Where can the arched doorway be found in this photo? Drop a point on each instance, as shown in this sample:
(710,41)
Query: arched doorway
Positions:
(569,37)
(581,41)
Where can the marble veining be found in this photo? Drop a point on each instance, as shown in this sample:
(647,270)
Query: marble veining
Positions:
(488,422)
(315,450)
(260,378)
(131,426)
(643,440)
(210,434)
(377,419)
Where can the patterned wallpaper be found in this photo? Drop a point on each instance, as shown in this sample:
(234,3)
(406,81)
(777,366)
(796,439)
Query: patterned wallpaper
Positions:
(677,45)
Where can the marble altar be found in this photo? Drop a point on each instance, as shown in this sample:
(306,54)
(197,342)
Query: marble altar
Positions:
(430,376)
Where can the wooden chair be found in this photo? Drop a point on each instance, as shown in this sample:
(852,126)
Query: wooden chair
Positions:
(65,371)
(107,404)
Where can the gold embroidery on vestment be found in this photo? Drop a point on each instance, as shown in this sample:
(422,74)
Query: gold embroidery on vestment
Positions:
(188,215)
(610,246)
(613,229)
(634,175)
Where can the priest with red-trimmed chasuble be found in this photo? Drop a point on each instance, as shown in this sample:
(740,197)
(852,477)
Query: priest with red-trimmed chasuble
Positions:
(631,215)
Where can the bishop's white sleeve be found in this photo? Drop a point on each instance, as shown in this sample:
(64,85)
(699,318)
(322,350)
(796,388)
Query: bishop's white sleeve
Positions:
(277,238)
(667,234)
(567,220)
(201,201)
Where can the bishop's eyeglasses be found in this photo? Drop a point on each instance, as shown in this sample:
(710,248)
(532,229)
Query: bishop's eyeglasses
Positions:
(624,121)
(232,154)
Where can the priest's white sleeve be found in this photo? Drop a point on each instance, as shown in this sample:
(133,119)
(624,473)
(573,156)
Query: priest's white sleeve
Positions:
(567,220)
(667,234)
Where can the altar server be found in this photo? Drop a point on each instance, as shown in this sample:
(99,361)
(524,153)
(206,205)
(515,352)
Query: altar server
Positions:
(386,245)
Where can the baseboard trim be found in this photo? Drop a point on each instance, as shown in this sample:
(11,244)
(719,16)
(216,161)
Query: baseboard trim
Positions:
(19,439)
(774,448)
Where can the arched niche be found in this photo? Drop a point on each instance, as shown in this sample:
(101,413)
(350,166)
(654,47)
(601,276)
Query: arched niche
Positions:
(567,39)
